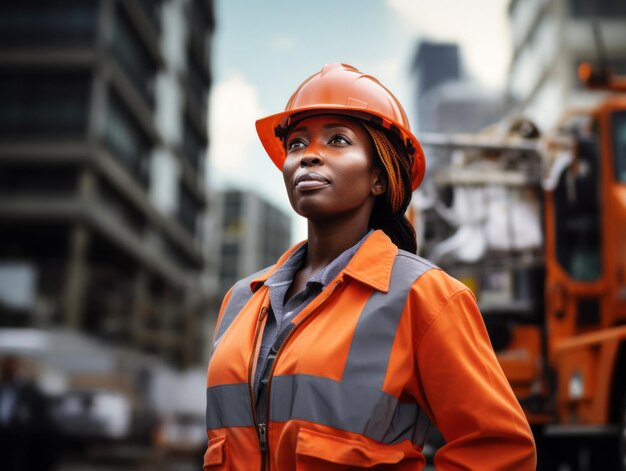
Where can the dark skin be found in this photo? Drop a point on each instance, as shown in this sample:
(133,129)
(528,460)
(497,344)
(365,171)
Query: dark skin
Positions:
(332,181)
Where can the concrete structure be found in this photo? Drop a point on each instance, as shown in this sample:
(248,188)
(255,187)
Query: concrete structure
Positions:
(550,39)
(249,234)
(103,138)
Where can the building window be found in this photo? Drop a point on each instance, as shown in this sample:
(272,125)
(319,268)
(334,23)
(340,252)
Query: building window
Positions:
(597,8)
(188,210)
(198,78)
(126,140)
(200,16)
(50,22)
(192,145)
(176,255)
(134,57)
(232,212)
(119,207)
(43,103)
(18,286)
(229,264)
(152,8)
(274,234)
(618,124)
(56,180)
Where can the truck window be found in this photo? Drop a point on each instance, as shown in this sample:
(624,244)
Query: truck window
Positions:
(577,213)
(618,125)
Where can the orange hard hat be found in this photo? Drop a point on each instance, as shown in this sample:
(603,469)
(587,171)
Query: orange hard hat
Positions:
(342,89)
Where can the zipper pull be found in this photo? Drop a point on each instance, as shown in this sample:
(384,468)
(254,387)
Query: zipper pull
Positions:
(262,314)
(262,436)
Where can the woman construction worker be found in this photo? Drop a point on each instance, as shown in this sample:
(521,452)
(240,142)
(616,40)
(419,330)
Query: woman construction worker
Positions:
(341,354)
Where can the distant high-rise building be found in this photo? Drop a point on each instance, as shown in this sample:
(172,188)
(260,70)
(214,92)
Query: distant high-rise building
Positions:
(103,137)
(434,64)
(446,100)
(550,40)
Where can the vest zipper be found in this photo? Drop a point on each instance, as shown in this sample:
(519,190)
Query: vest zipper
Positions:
(269,379)
(261,429)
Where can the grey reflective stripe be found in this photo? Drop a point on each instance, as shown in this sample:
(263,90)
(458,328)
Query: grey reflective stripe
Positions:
(228,405)
(376,328)
(241,294)
(355,404)
(372,413)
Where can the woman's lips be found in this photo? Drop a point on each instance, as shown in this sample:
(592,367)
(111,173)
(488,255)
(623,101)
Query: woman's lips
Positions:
(310,181)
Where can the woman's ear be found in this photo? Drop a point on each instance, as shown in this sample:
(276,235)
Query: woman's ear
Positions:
(380,183)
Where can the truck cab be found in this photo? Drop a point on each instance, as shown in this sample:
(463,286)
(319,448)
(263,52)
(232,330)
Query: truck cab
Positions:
(536,227)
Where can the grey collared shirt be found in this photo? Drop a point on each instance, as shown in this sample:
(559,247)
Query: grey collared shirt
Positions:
(281,312)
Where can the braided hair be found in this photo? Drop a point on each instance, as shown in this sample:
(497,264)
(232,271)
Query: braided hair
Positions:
(388,213)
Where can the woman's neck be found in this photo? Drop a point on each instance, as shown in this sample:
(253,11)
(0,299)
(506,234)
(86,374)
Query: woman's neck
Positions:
(327,240)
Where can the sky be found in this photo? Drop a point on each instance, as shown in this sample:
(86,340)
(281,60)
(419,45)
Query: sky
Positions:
(262,51)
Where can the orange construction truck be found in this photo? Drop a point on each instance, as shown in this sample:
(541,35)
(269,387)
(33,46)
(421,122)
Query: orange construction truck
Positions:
(536,226)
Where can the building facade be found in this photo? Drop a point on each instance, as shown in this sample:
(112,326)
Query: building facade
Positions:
(550,39)
(248,234)
(103,137)
(434,64)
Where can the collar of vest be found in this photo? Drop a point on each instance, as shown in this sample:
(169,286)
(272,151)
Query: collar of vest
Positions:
(371,264)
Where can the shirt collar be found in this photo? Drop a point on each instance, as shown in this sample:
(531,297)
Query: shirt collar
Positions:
(287,271)
(371,264)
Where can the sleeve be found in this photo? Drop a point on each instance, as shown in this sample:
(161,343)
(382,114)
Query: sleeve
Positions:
(468,396)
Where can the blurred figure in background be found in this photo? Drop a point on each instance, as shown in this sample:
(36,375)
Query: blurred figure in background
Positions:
(27,438)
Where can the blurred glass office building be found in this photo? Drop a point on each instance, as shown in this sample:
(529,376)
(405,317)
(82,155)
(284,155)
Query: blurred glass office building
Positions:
(103,138)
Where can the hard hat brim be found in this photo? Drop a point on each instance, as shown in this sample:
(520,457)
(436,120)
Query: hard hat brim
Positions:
(267,130)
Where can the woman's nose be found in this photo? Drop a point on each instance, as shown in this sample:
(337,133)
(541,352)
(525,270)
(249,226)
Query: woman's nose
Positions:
(310,158)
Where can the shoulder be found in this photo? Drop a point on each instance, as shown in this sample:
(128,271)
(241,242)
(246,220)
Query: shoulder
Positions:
(236,298)
(432,290)
(416,262)
(434,281)
(243,285)
(422,278)
(242,290)
(409,269)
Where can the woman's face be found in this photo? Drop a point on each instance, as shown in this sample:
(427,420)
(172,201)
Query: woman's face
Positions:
(329,169)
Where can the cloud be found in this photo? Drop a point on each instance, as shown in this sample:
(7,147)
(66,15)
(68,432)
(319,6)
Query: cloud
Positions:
(234,108)
(480,29)
(237,159)
(388,69)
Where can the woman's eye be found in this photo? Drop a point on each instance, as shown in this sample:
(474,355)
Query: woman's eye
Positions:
(339,139)
(295,144)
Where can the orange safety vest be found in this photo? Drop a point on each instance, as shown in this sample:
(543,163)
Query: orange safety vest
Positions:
(391,344)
